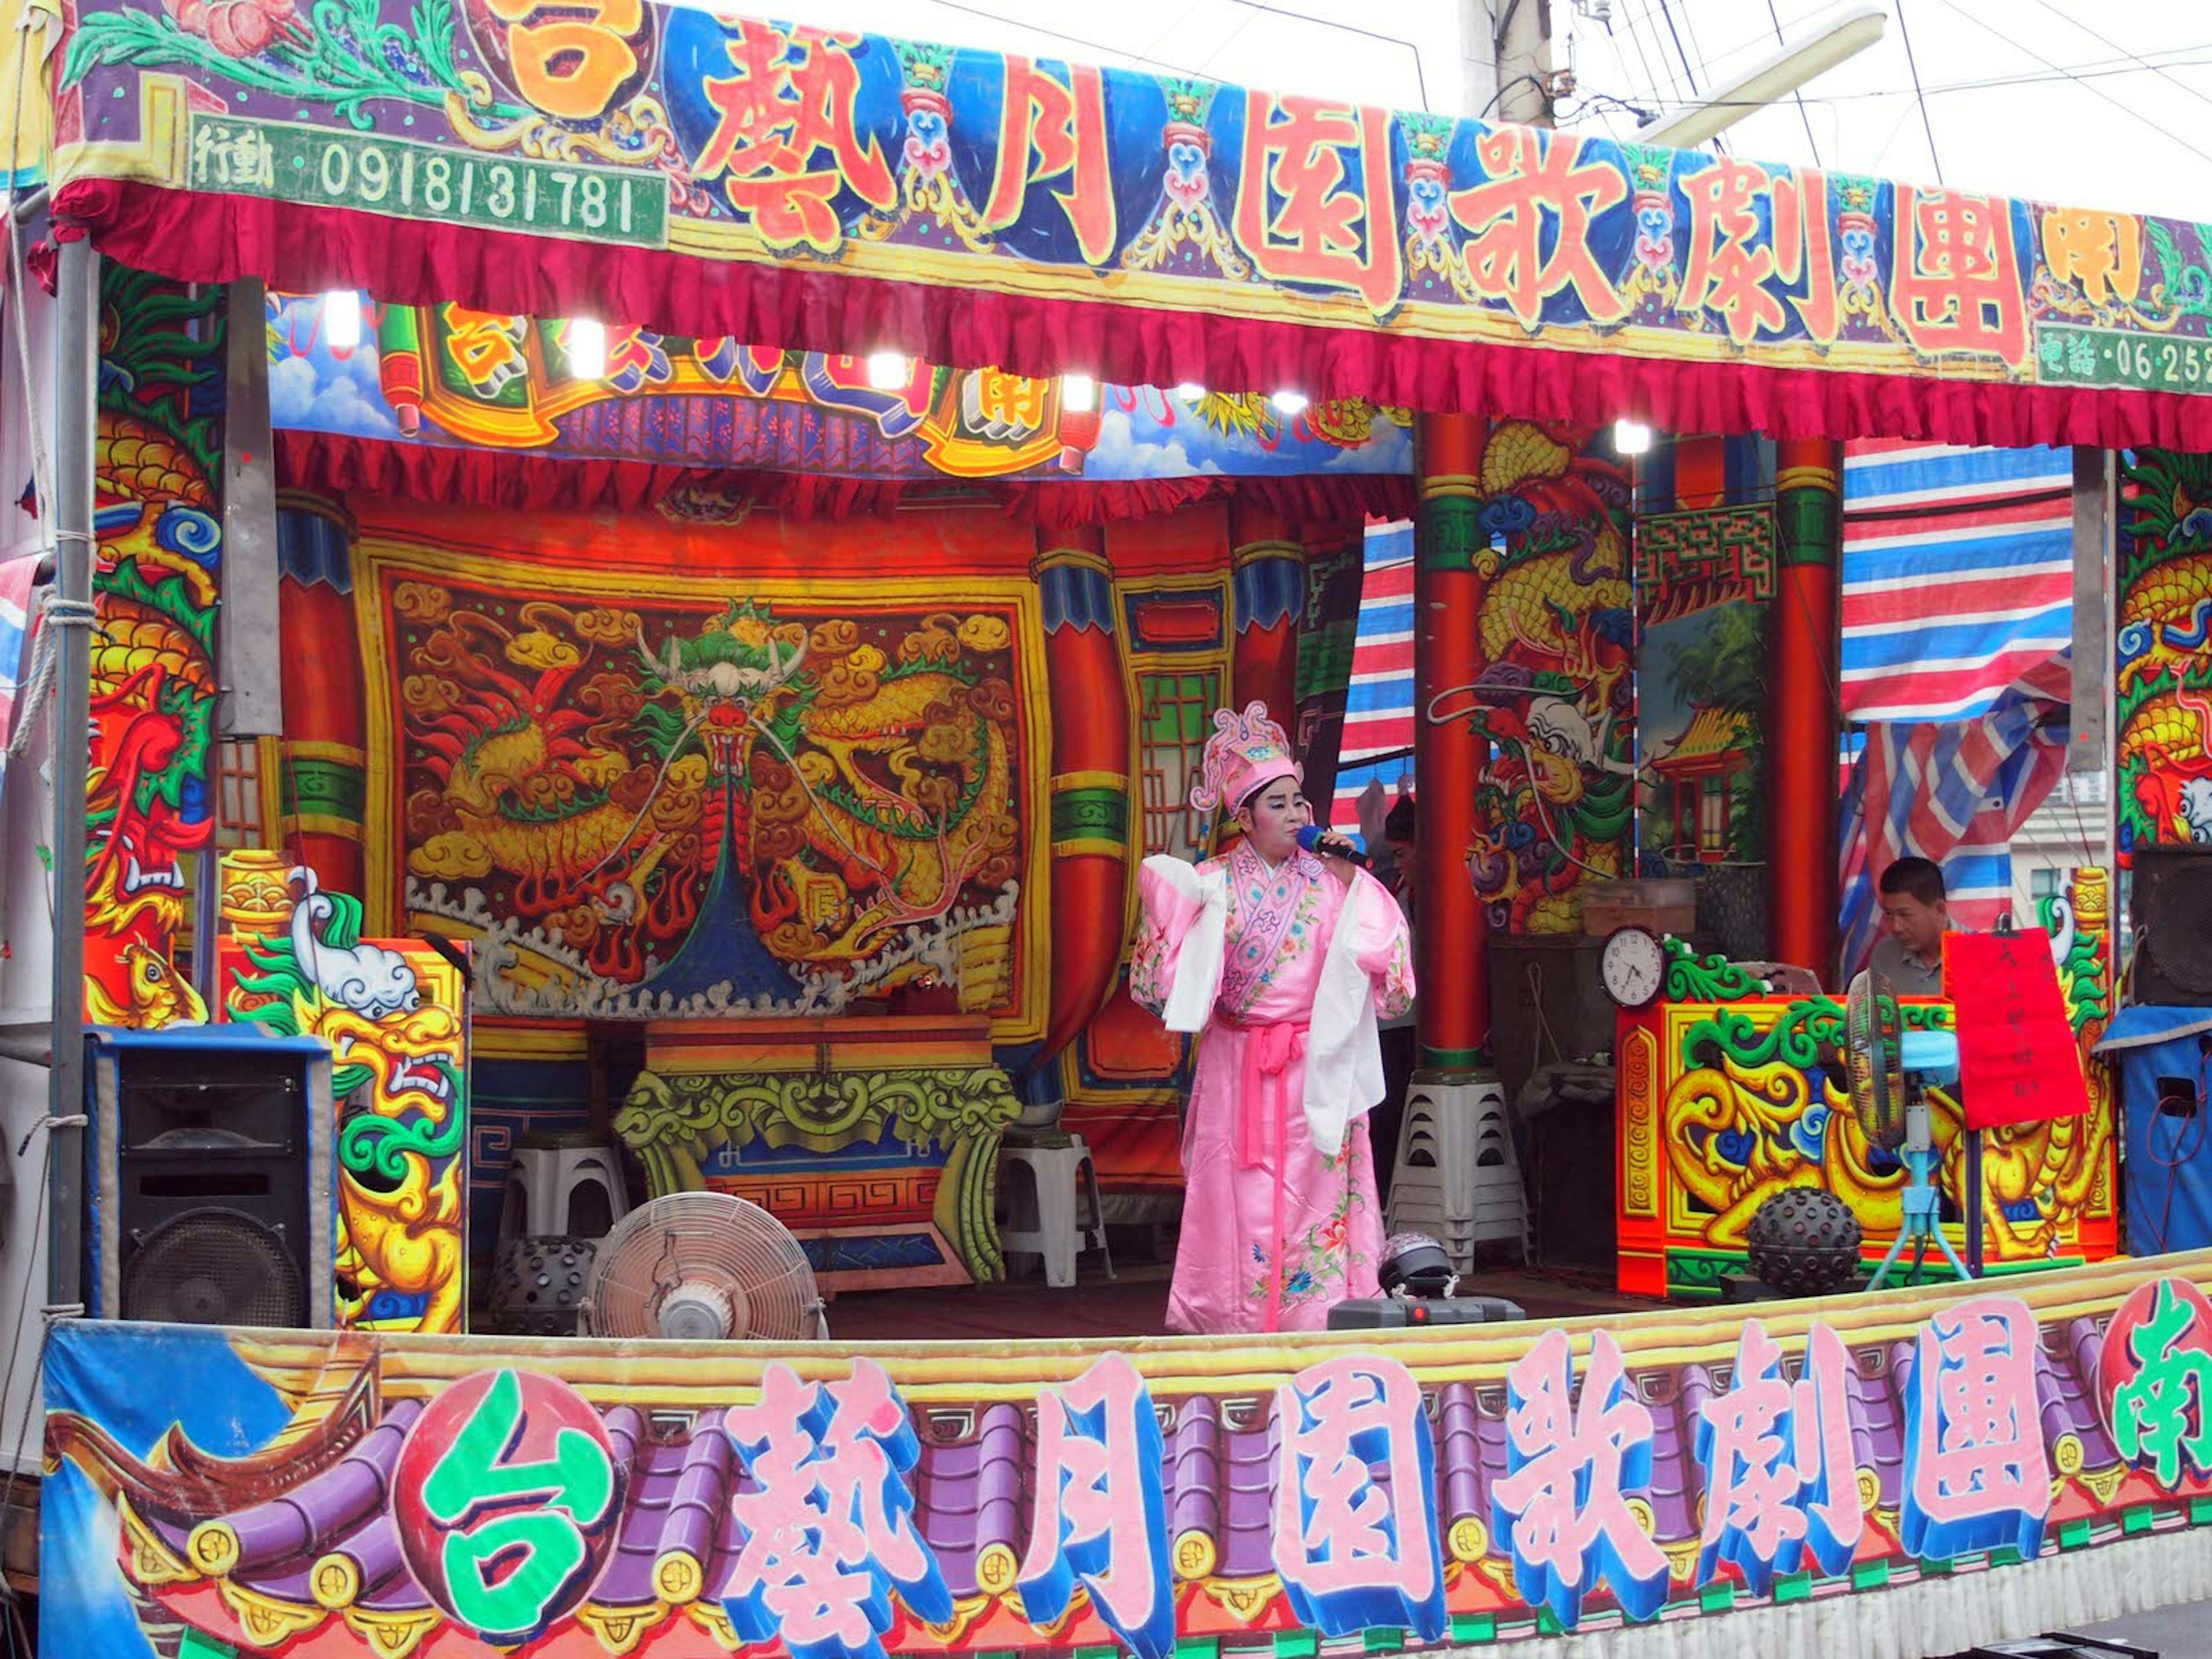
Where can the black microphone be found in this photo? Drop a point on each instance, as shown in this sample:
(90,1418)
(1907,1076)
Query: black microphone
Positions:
(1318,838)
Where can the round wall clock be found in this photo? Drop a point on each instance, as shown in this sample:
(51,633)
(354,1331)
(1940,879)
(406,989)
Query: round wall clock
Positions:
(1634,966)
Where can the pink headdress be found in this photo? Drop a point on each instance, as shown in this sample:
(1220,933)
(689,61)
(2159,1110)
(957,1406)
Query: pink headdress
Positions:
(1246,751)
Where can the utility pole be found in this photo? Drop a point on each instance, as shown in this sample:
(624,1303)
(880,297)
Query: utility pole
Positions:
(1506,51)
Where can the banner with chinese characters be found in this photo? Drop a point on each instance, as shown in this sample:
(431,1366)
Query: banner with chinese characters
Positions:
(446,376)
(641,128)
(327,1494)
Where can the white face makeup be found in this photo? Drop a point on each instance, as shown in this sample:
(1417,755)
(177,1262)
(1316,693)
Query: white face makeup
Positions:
(1273,817)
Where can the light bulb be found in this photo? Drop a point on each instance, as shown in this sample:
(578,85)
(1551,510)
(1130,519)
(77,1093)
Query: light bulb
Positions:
(342,319)
(1631,438)
(1289,403)
(1079,394)
(588,348)
(888,371)
(1190,392)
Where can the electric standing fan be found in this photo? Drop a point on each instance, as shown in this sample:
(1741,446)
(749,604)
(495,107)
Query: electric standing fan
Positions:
(703,1268)
(1888,1070)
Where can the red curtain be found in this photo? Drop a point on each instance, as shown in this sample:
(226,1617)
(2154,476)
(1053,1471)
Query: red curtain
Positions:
(300,249)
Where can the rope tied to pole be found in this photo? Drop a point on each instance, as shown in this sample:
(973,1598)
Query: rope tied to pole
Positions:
(55,614)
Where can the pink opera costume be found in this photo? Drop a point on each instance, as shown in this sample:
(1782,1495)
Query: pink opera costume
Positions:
(1283,969)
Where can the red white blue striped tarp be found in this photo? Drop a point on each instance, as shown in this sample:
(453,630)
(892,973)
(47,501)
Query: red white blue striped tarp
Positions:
(1378,705)
(1958,574)
(1957,626)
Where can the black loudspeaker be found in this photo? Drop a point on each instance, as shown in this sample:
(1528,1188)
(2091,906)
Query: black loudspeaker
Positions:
(2171,909)
(208,1166)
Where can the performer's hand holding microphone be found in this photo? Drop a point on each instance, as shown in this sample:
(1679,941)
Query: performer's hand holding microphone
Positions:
(1327,844)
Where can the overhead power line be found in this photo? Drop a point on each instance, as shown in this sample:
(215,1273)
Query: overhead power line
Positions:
(2163,130)
(1796,93)
(1927,125)
(2106,39)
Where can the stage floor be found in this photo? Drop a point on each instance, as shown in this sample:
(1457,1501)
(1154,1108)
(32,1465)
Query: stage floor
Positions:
(1134,1303)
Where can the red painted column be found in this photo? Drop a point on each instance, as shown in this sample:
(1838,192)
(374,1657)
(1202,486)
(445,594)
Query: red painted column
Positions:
(1804,647)
(323,778)
(1270,589)
(1452,959)
(1091,785)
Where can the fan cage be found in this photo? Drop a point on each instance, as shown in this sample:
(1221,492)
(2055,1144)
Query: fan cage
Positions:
(1873,1061)
(715,1239)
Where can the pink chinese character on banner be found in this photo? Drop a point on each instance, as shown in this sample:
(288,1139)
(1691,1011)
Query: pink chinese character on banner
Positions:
(1356,1500)
(1957,282)
(1562,1509)
(1976,1474)
(1731,257)
(1102,1509)
(1780,1475)
(828,1529)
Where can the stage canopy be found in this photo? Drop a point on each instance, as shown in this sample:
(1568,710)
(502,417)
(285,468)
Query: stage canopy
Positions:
(695,173)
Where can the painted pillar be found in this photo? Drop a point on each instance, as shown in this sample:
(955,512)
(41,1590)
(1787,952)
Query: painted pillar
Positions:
(149,802)
(1803,650)
(1451,964)
(1335,573)
(1270,593)
(1091,783)
(322,762)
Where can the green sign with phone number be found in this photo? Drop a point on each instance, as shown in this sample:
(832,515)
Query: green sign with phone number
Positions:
(2069,356)
(412,180)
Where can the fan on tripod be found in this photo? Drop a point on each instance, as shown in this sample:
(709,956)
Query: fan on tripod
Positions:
(1889,1070)
(703,1268)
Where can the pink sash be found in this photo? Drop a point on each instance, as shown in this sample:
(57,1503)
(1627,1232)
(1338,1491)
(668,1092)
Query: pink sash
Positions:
(1263,1122)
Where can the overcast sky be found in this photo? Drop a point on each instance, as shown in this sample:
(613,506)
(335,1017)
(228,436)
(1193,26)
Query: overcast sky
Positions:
(2106,103)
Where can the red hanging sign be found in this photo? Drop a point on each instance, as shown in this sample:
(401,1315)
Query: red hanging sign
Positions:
(2017,1061)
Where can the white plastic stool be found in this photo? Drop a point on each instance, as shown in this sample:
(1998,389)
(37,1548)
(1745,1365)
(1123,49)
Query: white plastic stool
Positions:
(1457,1178)
(547,1176)
(1041,1210)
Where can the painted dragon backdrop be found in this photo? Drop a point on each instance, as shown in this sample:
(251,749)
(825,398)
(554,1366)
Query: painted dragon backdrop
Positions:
(147,810)
(654,806)
(1556,698)
(2164,648)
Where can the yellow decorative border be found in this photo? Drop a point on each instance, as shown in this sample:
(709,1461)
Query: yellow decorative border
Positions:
(382,551)
(674,1376)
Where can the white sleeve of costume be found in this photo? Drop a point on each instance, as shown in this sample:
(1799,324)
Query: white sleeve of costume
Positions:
(1200,958)
(1344,1054)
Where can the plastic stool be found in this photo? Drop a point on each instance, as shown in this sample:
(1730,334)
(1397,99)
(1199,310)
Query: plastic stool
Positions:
(1458,1179)
(568,1185)
(1041,1210)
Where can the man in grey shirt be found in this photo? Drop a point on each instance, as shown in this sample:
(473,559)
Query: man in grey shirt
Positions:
(1914,919)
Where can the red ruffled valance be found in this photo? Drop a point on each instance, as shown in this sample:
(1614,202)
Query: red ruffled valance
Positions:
(538,484)
(301,249)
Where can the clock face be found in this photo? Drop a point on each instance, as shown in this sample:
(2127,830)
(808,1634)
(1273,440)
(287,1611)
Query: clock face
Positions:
(1635,967)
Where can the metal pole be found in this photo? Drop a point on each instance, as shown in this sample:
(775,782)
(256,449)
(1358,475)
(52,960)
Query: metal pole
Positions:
(76,380)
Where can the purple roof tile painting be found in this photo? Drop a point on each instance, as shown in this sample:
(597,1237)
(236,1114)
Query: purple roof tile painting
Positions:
(668,1542)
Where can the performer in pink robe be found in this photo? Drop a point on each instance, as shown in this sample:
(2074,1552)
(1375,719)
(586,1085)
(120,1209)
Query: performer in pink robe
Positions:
(1283,960)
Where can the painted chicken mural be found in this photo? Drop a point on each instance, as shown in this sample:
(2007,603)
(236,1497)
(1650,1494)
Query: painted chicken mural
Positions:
(1556,625)
(2164,647)
(655,807)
